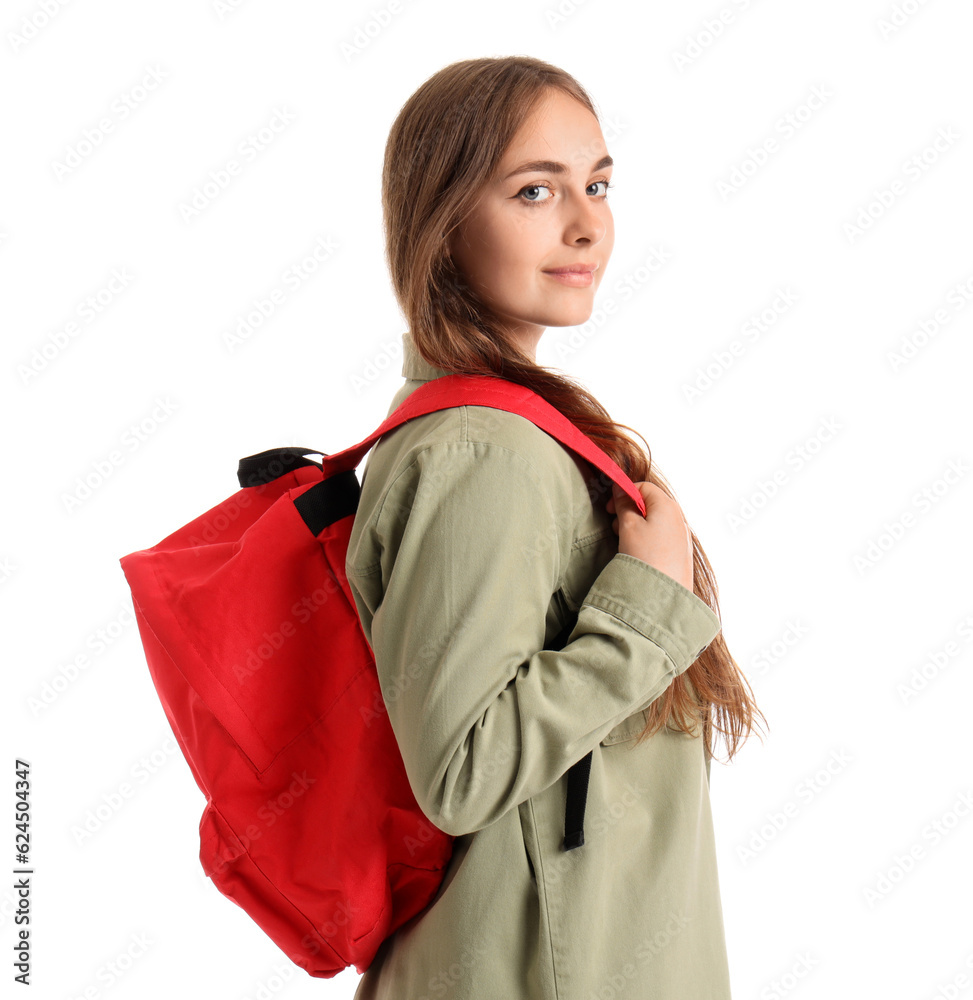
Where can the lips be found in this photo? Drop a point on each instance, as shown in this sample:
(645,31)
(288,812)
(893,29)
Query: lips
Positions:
(572,269)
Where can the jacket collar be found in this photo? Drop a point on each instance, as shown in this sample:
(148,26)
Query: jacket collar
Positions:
(414,366)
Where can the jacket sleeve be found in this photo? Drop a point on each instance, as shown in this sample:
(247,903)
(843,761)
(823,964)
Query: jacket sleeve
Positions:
(456,610)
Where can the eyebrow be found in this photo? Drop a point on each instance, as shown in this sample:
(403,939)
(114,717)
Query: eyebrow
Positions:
(553,167)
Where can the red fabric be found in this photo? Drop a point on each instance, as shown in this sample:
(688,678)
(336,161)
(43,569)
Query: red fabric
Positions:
(254,645)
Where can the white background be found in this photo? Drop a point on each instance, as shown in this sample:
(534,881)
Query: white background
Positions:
(833,600)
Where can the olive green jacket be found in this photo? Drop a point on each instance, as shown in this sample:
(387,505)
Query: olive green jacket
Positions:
(478,537)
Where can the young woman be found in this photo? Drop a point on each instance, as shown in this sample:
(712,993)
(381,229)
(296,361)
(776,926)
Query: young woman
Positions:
(522,613)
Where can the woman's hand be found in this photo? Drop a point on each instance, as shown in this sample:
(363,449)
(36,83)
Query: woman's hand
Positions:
(661,538)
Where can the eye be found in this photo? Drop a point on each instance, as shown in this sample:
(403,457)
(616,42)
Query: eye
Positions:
(533,187)
(535,200)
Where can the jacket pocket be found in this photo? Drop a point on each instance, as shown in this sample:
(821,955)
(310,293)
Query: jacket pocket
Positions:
(529,833)
(626,730)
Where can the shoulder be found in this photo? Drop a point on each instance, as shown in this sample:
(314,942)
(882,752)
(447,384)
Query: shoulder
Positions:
(500,432)
(433,445)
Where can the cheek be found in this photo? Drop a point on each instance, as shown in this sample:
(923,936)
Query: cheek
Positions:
(531,232)
(509,252)
(506,249)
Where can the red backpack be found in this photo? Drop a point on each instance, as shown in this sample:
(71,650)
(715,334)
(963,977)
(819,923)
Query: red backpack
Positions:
(255,648)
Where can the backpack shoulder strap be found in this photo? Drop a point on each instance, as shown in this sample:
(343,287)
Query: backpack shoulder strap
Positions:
(487,390)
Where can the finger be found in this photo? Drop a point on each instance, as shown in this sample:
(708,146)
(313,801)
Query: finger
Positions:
(622,501)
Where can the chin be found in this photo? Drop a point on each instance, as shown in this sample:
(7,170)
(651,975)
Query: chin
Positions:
(570,317)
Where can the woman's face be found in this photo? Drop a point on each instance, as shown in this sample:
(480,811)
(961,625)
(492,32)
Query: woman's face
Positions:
(530,221)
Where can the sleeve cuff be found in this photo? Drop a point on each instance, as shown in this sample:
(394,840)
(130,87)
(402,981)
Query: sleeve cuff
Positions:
(656,605)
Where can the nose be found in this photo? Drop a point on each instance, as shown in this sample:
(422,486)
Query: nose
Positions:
(585,221)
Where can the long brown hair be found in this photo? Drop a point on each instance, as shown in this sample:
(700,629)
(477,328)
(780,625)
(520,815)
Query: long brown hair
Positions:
(445,144)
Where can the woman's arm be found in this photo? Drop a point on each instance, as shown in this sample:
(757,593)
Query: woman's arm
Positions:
(472,550)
